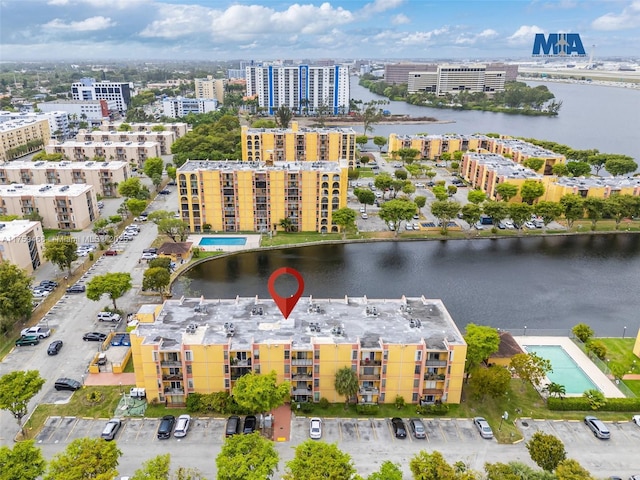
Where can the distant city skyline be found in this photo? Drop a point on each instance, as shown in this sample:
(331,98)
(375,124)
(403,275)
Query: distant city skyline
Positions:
(207,30)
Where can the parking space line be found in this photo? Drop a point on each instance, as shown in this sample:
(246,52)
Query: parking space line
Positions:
(340,428)
(373,429)
(72,428)
(444,437)
(357,429)
(393,435)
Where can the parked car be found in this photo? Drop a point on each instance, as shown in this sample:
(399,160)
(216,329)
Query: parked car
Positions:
(111,428)
(164,192)
(148,256)
(598,428)
(94,337)
(483,427)
(166,426)
(126,237)
(108,317)
(250,423)
(182,426)
(315,428)
(399,430)
(39,293)
(111,253)
(150,250)
(40,332)
(530,225)
(417,428)
(636,419)
(116,341)
(172,183)
(48,283)
(76,288)
(27,340)
(420,185)
(364,216)
(67,384)
(234,425)
(54,347)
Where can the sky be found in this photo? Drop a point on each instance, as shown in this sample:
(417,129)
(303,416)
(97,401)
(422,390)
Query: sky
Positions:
(211,30)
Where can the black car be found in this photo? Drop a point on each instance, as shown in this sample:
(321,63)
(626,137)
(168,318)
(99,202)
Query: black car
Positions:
(399,430)
(48,283)
(233,425)
(172,183)
(150,250)
(166,426)
(54,347)
(94,337)
(250,424)
(76,289)
(164,192)
(67,384)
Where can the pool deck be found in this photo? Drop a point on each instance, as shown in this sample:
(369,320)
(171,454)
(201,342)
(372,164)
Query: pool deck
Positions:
(253,241)
(605,385)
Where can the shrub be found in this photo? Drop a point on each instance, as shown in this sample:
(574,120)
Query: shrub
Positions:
(195,252)
(324,403)
(193,402)
(598,348)
(595,398)
(583,332)
(399,402)
(306,407)
(367,409)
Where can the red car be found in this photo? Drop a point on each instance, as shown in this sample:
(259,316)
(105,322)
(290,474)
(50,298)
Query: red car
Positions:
(111,253)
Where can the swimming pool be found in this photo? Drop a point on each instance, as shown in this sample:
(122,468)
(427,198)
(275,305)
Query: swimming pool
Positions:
(218,241)
(565,369)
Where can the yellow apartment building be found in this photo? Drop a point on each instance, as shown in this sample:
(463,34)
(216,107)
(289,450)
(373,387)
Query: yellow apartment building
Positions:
(132,152)
(67,207)
(180,129)
(212,88)
(21,243)
(30,133)
(234,196)
(299,144)
(165,138)
(519,151)
(409,347)
(104,176)
(600,187)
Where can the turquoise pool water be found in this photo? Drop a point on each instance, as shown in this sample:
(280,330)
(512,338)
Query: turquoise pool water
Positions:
(565,370)
(218,241)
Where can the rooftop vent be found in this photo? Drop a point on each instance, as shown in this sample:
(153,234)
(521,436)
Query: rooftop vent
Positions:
(257,311)
(200,308)
(229,329)
(314,327)
(191,328)
(415,323)
(372,311)
(338,331)
(314,308)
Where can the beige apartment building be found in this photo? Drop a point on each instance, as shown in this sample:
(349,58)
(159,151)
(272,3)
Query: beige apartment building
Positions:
(104,176)
(67,207)
(21,244)
(211,88)
(180,128)
(23,136)
(165,138)
(132,152)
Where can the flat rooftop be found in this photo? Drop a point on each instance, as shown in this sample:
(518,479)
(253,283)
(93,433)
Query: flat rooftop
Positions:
(44,190)
(195,165)
(42,165)
(9,231)
(585,183)
(75,143)
(247,320)
(527,148)
(503,166)
(445,136)
(282,131)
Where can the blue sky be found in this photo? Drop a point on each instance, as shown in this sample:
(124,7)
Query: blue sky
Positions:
(339,29)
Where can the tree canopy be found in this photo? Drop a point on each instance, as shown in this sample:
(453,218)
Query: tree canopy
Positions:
(506,191)
(319,461)
(217,138)
(530,367)
(247,457)
(345,218)
(531,190)
(259,393)
(346,383)
(15,295)
(482,342)
(17,388)
(61,251)
(156,468)
(22,462)
(156,279)
(546,451)
(153,166)
(445,212)
(85,458)
(114,284)
(394,211)
(431,466)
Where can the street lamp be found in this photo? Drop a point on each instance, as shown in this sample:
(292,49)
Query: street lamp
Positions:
(624,331)
(525,330)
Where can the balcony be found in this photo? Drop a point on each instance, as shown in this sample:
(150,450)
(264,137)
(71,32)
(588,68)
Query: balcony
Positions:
(170,363)
(432,391)
(302,391)
(302,376)
(240,363)
(369,377)
(368,391)
(434,377)
(302,362)
(436,363)
(174,376)
(174,391)
(367,362)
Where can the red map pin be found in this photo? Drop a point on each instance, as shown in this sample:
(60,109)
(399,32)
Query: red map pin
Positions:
(286,305)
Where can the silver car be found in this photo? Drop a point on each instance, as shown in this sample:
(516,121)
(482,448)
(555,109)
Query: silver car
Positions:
(182,426)
(598,428)
(483,427)
(111,428)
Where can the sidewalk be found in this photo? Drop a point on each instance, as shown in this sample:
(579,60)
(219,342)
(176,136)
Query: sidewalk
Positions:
(282,423)
(104,378)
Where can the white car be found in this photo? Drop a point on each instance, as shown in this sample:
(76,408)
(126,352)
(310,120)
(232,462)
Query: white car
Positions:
(530,225)
(182,426)
(362,209)
(82,253)
(148,256)
(636,419)
(365,216)
(408,226)
(315,428)
(420,185)
(40,332)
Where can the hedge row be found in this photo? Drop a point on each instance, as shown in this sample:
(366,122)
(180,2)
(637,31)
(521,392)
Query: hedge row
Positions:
(582,404)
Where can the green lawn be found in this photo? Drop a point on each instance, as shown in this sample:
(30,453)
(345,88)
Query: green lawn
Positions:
(282,238)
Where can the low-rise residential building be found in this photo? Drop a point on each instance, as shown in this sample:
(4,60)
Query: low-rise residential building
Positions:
(598,187)
(299,144)
(66,207)
(23,136)
(180,106)
(132,152)
(119,93)
(485,171)
(21,243)
(408,347)
(94,112)
(211,88)
(104,176)
(234,196)
(519,151)
(164,138)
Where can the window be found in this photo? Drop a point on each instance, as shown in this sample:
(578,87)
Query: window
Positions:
(384,369)
(316,383)
(188,356)
(190,383)
(256,354)
(417,370)
(256,369)
(386,355)
(189,369)
(354,368)
(354,355)
(414,397)
(155,355)
(226,355)
(316,355)
(226,369)
(226,383)
(383,383)
(316,397)
(287,354)
(416,383)
(451,356)
(418,355)
(316,369)
(286,369)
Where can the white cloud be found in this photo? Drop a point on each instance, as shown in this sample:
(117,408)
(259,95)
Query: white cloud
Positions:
(179,21)
(628,18)
(58,2)
(524,35)
(423,38)
(87,25)
(379,6)
(400,19)
(472,39)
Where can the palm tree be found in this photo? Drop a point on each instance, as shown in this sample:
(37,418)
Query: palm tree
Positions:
(555,390)
(346,383)
(286,223)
